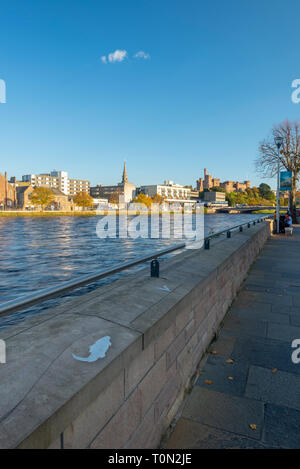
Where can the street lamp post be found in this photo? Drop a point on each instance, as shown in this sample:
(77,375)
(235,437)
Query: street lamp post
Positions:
(278,143)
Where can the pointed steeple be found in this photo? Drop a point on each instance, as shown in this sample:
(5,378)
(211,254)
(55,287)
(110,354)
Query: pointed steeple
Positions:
(124,178)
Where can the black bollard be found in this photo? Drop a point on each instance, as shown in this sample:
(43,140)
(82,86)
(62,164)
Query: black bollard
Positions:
(206,244)
(228,234)
(154,268)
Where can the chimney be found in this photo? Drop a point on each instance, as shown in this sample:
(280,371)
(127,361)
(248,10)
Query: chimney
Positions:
(205,173)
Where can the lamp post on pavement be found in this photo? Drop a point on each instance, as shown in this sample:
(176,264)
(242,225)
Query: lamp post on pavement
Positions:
(278,143)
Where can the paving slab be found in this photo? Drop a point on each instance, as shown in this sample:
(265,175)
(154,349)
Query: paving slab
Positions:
(279,388)
(282,429)
(265,353)
(229,378)
(194,435)
(244,326)
(224,411)
(283,332)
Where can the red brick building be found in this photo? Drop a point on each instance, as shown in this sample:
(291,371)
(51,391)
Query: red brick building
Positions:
(7,193)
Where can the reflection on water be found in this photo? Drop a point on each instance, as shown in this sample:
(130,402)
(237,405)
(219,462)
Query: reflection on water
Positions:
(36,253)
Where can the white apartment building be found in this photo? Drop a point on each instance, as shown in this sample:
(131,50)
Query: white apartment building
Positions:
(58,180)
(168,190)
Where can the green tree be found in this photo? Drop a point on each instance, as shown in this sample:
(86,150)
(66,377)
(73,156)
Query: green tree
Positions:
(83,199)
(266,192)
(41,196)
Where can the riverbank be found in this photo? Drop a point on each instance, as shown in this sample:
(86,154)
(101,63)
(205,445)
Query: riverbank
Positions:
(82,213)
(47,214)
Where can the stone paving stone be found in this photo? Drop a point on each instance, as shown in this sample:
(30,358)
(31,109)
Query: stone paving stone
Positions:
(254,306)
(279,388)
(283,332)
(282,427)
(258,315)
(223,345)
(293,290)
(291,274)
(225,412)
(244,326)
(218,371)
(247,298)
(296,300)
(295,319)
(265,353)
(285,309)
(194,435)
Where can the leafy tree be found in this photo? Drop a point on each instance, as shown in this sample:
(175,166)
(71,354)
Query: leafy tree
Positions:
(41,196)
(266,192)
(83,199)
(217,189)
(289,157)
(143,199)
(157,199)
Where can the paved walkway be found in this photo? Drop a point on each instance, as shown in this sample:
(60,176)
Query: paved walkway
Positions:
(248,392)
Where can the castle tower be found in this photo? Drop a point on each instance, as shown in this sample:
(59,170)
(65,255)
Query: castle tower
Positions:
(124,178)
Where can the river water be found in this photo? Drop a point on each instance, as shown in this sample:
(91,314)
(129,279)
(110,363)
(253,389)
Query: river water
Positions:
(36,253)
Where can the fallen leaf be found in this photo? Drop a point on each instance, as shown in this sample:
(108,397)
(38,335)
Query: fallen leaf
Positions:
(230,378)
(214,352)
(253,426)
(208,381)
(274,371)
(229,360)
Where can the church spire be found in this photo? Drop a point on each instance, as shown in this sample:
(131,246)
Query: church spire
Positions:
(124,178)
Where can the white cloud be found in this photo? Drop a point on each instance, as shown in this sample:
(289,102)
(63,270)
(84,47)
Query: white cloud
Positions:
(141,55)
(117,56)
(103,59)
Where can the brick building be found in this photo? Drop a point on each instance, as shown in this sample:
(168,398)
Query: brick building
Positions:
(8,197)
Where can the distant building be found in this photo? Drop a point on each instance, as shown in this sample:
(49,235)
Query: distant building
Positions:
(8,198)
(23,196)
(168,190)
(230,186)
(58,180)
(214,196)
(194,195)
(61,201)
(124,188)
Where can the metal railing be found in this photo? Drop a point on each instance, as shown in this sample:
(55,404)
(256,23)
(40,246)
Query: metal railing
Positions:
(52,292)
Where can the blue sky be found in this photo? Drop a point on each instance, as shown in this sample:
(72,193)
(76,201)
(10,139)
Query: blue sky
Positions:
(218,77)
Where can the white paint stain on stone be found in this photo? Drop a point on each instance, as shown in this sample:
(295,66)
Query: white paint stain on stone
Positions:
(164,288)
(97,350)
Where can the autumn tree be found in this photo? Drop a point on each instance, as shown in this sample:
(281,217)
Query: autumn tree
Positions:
(83,199)
(41,196)
(289,157)
(143,199)
(157,199)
